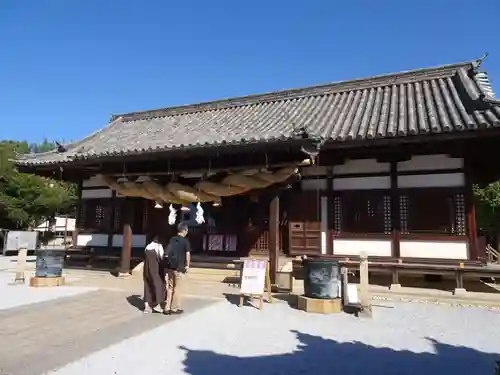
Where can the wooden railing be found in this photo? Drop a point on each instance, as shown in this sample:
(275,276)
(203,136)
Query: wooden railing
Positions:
(492,254)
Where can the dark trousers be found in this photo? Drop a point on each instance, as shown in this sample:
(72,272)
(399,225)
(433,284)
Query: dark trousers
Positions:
(154,279)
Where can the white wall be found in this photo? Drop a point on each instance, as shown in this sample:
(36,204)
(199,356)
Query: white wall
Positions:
(313,184)
(61,224)
(434,249)
(93,193)
(417,163)
(138,240)
(96,193)
(349,183)
(354,247)
(324,224)
(313,171)
(361,166)
(95,239)
(431,180)
(361,183)
(94,181)
(430,163)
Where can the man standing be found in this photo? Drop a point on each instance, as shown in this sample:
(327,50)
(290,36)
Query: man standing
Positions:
(178,259)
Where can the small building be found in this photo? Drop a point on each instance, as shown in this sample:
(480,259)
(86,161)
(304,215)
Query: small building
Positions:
(60,225)
(57,231)
(383,165)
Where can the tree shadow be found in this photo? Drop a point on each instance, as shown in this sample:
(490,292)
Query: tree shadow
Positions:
(289,298)
(234,299)
(317,355)
(136,301)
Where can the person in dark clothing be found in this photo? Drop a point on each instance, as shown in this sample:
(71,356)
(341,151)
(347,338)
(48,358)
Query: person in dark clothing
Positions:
(154,277)
(178,259)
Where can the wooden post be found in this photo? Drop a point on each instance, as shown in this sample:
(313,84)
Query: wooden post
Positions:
(78,216)
(364,293)
(329,189)
(112,213)
(470,209)
(21,266)
(395,214)
(127,240)
(274,232)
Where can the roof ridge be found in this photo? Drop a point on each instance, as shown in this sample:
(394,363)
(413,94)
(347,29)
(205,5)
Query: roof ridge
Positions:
(71,147)
(483,82)
(295,93)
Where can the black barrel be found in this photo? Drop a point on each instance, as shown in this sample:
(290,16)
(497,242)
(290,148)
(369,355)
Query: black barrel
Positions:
(49,263)
(321,278)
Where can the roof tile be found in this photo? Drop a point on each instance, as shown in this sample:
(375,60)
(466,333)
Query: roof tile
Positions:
(432,101)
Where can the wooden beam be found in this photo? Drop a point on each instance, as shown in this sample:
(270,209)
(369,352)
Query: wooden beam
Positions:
(329,189)
(298,163)
(470,209)
(364,284)
(126,253)
(274,232)
(395,214)
(78,218)
(112,212)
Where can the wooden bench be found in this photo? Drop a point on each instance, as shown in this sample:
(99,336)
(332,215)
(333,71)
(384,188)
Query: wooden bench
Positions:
(90,257)
(395,268)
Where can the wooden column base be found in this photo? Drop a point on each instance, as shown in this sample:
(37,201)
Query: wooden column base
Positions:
(46,281)
(320,306)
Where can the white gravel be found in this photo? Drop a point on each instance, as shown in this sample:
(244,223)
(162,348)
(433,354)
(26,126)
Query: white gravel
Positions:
(401,338)
(19,295)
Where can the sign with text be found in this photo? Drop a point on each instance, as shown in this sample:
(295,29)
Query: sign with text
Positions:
(253,278)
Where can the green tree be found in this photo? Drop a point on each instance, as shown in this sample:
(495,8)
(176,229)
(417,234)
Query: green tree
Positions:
(488,211)
(44,146)
(26,199)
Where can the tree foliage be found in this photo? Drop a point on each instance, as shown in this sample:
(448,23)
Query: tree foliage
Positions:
(488,208)
(27,199)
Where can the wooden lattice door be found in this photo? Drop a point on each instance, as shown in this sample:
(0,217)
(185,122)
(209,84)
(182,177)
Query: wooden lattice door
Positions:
(304,223)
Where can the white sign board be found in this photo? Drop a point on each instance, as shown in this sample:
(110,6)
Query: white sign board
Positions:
(253,278)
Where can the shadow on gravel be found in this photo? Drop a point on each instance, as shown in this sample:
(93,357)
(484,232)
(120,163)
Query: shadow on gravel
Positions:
(234,299)
(136,301)
(316,355)
(290,299)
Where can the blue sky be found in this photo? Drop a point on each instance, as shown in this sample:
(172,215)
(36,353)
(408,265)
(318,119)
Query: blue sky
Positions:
(67,65)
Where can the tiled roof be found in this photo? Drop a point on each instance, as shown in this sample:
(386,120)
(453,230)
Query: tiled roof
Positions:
(450,98)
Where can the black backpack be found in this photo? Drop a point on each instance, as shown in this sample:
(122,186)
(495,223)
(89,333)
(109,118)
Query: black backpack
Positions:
(171,261)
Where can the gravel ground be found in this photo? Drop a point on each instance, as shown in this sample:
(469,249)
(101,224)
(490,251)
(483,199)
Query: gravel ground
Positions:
(401,338)
(18,295)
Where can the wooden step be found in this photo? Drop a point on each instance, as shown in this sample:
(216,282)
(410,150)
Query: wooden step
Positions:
(213,271)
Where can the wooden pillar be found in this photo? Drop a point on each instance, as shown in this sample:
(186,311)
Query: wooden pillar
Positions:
(112,213)
(470,209)
(127,238)
(395,214)
(329,189)
(274,232)
(364,293)
(78,218)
